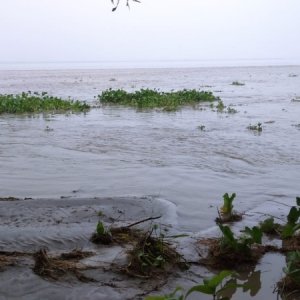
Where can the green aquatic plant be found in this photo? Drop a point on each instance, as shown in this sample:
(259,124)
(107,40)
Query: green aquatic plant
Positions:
(227,208)
(292,224)
(231,110)
(211,286)
(256,127)
(150,99)
(100,229)
(38,102)
(241,244)
(102,235)
(220,106)
(268,226)
(292,268)
(291,282)
(231,252)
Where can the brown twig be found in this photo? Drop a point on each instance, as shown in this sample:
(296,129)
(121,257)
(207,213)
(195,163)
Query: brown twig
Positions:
(142,221)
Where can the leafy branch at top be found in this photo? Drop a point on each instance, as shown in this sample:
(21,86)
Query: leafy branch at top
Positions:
(117,2)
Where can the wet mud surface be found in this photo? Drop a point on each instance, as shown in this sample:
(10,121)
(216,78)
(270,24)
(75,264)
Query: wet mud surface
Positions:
(56,232)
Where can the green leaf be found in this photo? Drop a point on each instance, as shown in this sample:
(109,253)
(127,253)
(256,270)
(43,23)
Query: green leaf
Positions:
(100,228)
(217,279)
(293,215)
(255,233)
(288,231)
(171,296)
(230,285)
(228,236)
(202,288)
(227,206)
(298,201)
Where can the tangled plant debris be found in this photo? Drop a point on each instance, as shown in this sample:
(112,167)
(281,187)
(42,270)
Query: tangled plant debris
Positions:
(152,254)
(55,268)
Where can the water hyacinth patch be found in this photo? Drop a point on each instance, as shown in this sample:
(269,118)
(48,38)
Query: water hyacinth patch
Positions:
(37,103)
(150,99)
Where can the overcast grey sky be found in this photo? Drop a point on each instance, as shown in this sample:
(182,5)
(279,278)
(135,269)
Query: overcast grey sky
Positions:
(87,30)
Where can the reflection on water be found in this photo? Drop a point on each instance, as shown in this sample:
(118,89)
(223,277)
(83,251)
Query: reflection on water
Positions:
(251,283)
(258,282)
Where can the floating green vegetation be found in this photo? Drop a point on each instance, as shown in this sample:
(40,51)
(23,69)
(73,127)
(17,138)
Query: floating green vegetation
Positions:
(37,103)
(222,108)
(237,83)
(150,99)
(257,127)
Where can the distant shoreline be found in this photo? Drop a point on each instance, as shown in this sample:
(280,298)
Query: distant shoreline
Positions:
(125,65)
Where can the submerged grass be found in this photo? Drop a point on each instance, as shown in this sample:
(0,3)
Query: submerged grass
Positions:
(150,99)
(37,103)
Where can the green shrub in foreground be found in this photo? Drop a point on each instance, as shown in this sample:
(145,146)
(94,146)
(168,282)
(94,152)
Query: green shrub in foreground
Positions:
(36,103)
(146,98)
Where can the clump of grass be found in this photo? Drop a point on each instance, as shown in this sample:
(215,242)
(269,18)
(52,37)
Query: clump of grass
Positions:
(150,99)
(102,235)
(231,110)
(37,103)
(232,252)
(222,108)
(237,83)
(152,255)
(257,127)
(214,286)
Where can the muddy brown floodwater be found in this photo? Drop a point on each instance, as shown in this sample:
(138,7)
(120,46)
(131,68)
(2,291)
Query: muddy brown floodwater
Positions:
(138,164)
